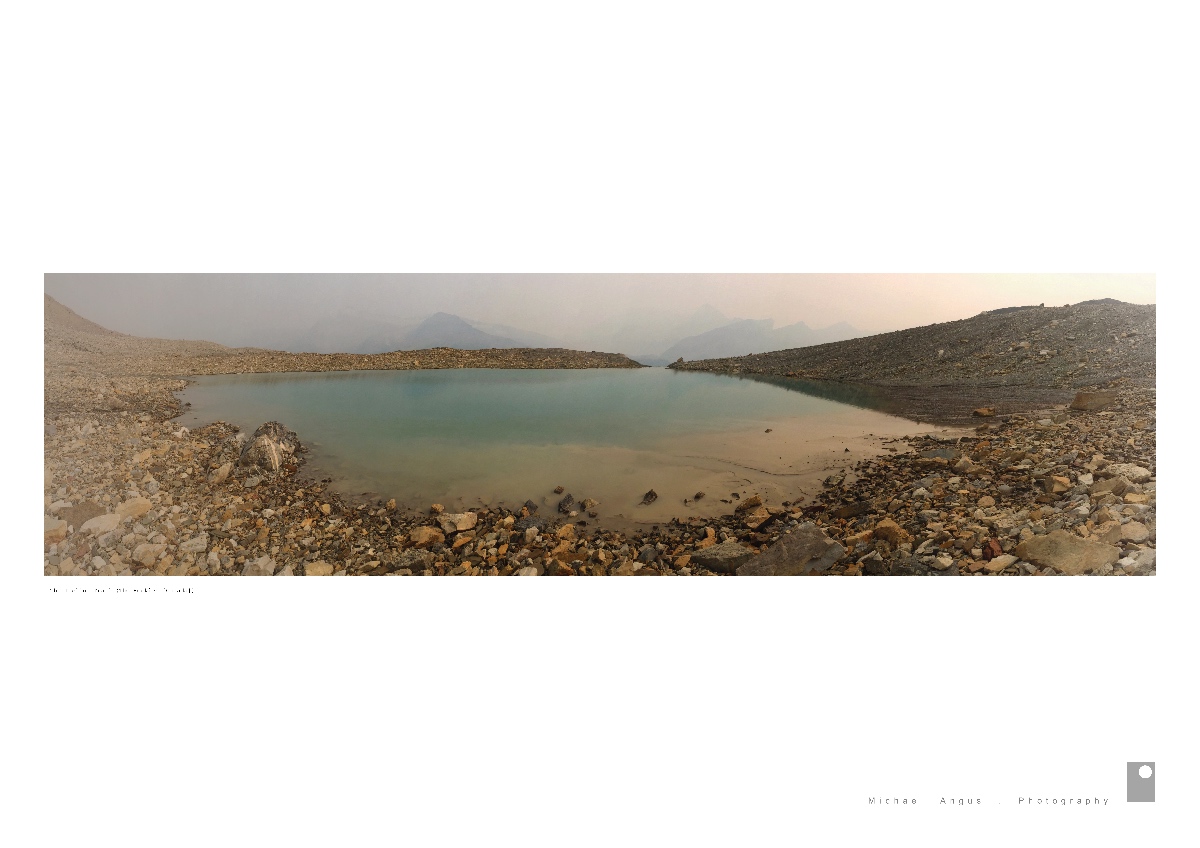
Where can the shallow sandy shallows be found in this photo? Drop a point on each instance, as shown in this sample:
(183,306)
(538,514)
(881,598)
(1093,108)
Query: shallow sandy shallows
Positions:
(780,466)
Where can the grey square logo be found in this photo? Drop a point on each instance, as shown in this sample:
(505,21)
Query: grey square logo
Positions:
(1139,779)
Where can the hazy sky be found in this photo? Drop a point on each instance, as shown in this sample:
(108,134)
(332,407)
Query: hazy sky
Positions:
(249,309)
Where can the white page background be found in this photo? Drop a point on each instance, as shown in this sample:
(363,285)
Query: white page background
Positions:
(622,138)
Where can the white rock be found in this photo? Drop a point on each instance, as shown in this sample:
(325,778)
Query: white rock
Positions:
(134,507)
(101,524)
(1132,473)
(262,567)
(196,545)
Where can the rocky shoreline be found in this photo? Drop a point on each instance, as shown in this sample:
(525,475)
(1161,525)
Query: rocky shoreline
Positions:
(130,492)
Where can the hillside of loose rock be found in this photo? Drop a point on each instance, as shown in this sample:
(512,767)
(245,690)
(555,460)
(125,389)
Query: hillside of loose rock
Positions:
(1091,344)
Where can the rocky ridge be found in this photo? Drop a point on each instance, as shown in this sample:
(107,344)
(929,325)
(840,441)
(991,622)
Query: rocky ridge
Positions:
(1018,355)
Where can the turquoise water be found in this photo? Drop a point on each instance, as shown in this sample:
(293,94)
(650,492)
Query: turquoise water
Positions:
(471,435)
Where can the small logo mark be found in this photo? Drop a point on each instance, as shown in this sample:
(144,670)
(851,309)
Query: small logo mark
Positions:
(1139,778)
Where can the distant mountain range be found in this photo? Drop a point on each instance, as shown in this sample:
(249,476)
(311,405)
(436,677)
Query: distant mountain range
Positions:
(706,334)
(740,338)
(351,333)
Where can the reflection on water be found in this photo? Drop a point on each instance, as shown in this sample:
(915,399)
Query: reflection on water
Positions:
(501,435)
(864,397)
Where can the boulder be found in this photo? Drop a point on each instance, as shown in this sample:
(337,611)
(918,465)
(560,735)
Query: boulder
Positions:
(1132,473)
(415,561)
(195,545)
(1135,531)
(757,517)
(999,563)
(1109,533)
(1147,558)
(725,558)
(456,522)
(271,446)
(262,567)
(1056,485)
(802,551)
(985,412)
(1067,552)
(147,554)
(1093,401)
(220,475)
(101,524)
(320,568)
(56,530)
(1116,485)
(892,533)
(852,509)
(649,498)
(425,536)
(134,508)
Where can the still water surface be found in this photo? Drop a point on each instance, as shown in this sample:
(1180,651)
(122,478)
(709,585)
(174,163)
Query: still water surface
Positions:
(472,436)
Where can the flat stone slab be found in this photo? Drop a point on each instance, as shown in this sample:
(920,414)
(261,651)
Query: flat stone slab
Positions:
(1067,552)
(802,551)
(725,558)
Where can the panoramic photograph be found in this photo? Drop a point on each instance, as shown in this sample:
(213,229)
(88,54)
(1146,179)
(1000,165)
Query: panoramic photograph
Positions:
(599,424)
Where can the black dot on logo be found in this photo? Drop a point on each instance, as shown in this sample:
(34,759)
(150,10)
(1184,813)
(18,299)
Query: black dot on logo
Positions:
(1145,772)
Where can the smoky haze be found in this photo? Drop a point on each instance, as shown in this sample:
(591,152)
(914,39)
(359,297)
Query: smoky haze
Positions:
(640,315)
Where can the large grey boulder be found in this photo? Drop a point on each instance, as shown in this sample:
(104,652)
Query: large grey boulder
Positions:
(724,558)
(1067,552)
(802,551)
(271,446)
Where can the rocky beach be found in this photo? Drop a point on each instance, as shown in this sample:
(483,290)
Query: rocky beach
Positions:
(1050,467)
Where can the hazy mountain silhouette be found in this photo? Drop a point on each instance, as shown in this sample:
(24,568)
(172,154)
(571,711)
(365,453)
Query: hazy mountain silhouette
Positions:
(638,330)
(741,338)
(351,332)
(445,330)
